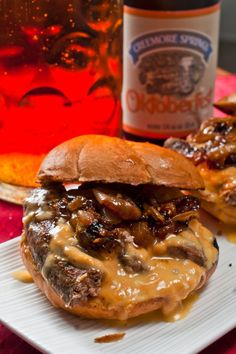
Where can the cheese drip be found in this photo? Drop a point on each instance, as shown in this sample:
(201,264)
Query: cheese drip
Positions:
(169,279)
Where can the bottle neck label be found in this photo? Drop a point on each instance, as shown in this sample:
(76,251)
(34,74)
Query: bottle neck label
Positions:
(169,70)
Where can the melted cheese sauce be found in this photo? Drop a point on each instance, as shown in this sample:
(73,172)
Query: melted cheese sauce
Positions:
(217,181)
(182,310)
(214,179)
(229,231)
(169,279)
(108,338)
(166,278)
(23,276)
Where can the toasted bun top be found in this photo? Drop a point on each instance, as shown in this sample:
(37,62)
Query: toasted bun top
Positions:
(90,158)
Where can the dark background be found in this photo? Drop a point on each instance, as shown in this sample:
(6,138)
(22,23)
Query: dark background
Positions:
(227,49)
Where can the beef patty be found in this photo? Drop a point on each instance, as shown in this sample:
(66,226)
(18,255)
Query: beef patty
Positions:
(97,219)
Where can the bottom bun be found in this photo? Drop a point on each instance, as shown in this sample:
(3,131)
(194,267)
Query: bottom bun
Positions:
(96,308)
(221,211)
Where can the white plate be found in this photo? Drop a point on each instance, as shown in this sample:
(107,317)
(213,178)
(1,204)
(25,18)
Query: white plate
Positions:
(27,312)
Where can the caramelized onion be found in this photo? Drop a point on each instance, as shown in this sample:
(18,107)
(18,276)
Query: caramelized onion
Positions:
(185,216)
(143,235)
(85,217)
(215,143)
(125,208)
(165,230)
(109,217)
(229,196)
(76,203)
(151,211)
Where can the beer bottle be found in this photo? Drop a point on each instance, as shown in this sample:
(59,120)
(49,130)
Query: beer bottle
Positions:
(170,58)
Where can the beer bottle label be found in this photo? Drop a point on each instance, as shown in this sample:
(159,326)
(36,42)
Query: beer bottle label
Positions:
(169,70)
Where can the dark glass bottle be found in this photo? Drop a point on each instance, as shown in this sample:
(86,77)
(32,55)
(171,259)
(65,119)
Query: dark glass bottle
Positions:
(170,58)
(170,5)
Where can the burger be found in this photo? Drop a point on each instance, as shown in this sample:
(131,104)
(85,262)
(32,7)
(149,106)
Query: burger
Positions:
(227,104)
(213,150)
(109,234)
